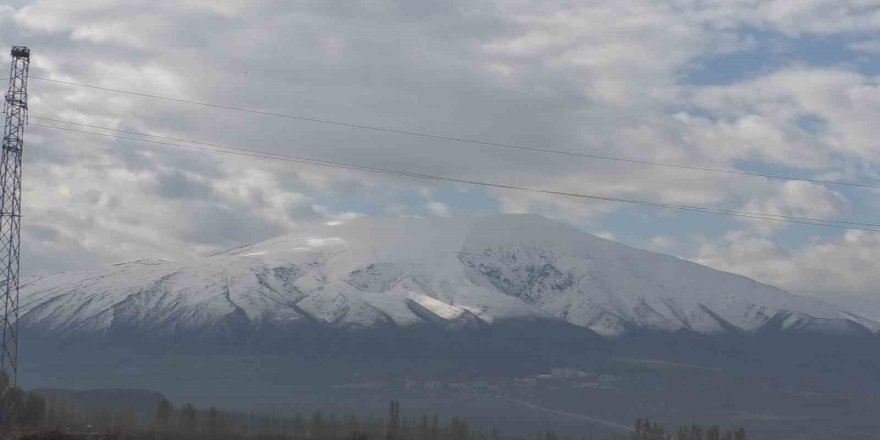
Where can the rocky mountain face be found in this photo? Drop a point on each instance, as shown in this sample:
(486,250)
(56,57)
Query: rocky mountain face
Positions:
(405,275)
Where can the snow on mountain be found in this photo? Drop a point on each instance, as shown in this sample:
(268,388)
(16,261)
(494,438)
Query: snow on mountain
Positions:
(868,306)
(398,273)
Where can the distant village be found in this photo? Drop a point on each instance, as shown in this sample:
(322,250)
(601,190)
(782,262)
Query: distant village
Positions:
(581,379)
(570,377)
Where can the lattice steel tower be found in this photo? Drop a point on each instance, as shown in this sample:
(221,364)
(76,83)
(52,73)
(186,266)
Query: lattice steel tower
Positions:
(10,210)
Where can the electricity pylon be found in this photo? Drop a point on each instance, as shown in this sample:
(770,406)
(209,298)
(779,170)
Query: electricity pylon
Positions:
(15,109)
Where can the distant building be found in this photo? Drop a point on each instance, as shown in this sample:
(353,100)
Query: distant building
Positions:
(433,385)
(360,386)
(608,380)
(564,373)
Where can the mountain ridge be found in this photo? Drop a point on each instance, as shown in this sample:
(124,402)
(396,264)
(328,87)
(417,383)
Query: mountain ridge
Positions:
(406,273)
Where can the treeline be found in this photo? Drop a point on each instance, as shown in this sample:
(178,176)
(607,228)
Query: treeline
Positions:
(18,408)
(56,417)
(53,418)
(645,430)
(187,422)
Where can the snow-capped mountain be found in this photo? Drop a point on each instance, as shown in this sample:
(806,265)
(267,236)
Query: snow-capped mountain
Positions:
(409,273)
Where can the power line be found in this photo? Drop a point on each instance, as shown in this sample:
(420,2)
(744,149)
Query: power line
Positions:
(217,148)
(301,159)
(281,155)
(467,140)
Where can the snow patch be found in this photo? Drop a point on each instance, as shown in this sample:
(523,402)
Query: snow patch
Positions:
(405,272)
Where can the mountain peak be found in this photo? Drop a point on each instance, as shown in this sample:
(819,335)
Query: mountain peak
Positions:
(417,272)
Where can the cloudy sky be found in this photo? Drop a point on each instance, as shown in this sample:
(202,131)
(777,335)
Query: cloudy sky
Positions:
(769,86)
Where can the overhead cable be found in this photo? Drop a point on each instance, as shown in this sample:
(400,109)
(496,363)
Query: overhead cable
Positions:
(459,139)
(218,148)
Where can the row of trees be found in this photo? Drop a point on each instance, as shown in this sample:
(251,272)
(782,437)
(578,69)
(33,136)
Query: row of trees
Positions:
(190,422)
(18,408)
(37,414)
(645,430)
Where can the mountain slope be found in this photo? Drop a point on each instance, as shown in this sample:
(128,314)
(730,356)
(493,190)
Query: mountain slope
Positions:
(412,273)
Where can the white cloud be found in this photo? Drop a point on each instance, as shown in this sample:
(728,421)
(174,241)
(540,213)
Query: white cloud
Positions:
(596,77)
(606,235)
(438,209)
(795,198)
(870,47)
(764,116)
(833,267)
(816,16)
(663,244)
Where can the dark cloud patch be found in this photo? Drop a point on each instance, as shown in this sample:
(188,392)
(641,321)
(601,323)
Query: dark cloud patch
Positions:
(178,185)
(43,232)
(225,226)
(304,213)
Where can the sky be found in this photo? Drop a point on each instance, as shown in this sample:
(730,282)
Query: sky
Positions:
(764,86)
